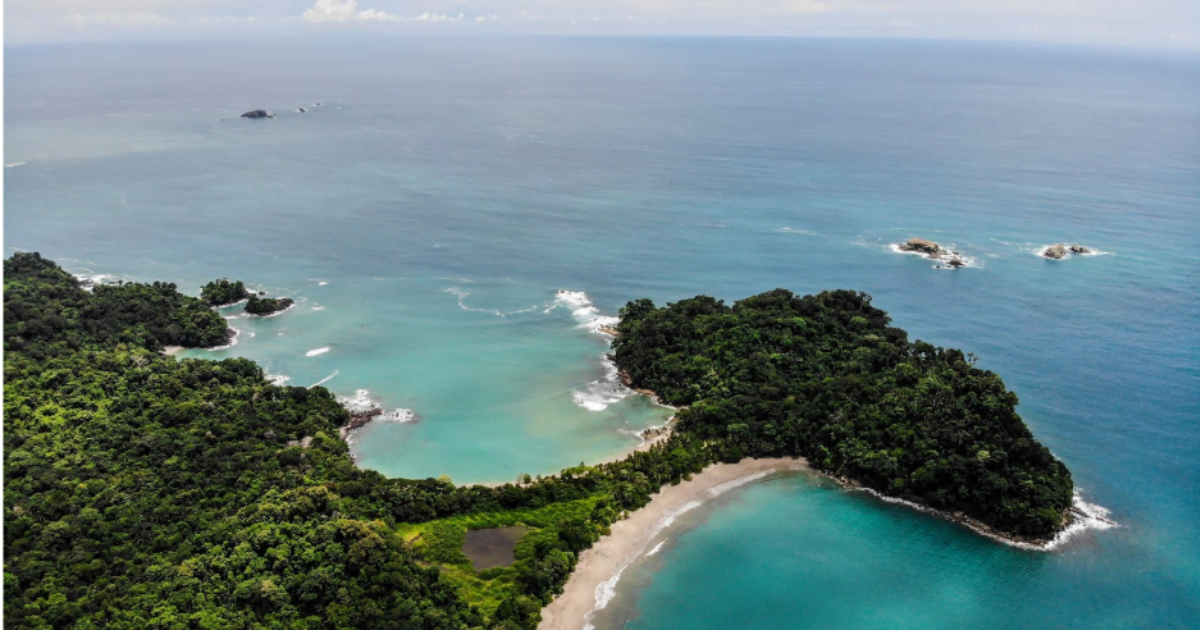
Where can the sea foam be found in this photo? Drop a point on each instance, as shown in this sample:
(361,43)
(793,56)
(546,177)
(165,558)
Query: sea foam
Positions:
(361,402)
(1085,516)
(943,259)
(326,379)
(313,353)
(609,389)
(583,311)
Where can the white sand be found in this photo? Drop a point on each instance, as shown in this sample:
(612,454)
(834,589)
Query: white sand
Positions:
(630,538)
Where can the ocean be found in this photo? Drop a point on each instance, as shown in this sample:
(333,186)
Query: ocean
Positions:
(457,216)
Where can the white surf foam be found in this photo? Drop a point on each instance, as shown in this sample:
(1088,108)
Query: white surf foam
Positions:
(601,393)
(14,164)
(326,379)
(582,310)
(788,230)
(362,402)
(1040,252)
(943,259)
(318,308)
(89,280)
(313,353)
(656,549)
(277,379)
(1085,516)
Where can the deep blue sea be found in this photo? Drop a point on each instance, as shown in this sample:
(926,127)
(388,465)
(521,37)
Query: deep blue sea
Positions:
(457,215)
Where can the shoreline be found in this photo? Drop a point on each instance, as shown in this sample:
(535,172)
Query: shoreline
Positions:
(590,585)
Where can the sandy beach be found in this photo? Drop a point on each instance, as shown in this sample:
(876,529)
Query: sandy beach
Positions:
(631,537)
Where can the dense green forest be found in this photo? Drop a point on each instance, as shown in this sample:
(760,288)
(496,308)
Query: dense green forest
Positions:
(266,306)
(222,292)
(145,492)
(826,377)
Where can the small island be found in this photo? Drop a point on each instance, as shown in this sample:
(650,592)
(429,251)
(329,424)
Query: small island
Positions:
(258,113)
(267,306)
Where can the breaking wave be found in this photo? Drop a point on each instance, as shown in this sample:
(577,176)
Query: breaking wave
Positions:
(600,393)
(583,311)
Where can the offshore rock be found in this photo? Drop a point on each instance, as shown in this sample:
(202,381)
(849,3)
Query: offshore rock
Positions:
(922,246)
(1055,252)
(258,113)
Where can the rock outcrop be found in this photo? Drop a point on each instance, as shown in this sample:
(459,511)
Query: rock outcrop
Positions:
(360,418)
(1057,251)
(258,113)
(921,246)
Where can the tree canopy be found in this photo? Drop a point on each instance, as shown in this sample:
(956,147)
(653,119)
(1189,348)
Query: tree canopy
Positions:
(222,292)
(266,306)
(145,492)
(828,378)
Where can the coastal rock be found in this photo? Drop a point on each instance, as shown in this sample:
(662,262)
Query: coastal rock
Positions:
(359,418)
(922,246)
(302,110)
(1079,249)
(654,432)
(1056,251)
(258,113)
(956,262)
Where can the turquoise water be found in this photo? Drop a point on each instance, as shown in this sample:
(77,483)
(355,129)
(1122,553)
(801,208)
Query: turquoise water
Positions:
(426,214)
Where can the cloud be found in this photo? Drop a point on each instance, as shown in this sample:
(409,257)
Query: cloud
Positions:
(345,11)
(333,11)
(430,17)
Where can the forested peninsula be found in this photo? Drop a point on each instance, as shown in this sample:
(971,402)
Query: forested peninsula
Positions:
(143,491)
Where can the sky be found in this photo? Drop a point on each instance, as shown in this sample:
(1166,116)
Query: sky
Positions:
(1139,23)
